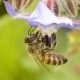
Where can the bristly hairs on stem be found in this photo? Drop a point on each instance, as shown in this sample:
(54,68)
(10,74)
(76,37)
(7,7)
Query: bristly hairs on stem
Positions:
(68,7)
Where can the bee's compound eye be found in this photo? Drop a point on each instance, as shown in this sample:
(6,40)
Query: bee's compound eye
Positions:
(26,40)
(30,39)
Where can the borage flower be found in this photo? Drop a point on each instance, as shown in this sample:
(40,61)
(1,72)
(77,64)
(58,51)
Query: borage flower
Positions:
(17,8)
(42,16)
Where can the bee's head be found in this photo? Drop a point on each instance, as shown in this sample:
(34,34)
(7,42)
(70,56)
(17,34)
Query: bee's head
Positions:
(32,38)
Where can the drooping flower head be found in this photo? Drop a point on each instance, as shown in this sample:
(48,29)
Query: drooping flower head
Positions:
(63,7)
(49,15)
(17,7)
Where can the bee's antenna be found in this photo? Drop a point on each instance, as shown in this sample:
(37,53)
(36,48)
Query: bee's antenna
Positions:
(32,30)
(29,30)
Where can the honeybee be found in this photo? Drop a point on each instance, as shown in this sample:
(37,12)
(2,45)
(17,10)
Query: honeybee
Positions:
(41,48)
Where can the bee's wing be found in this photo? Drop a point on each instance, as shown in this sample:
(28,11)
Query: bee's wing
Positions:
(36,55)
(39,63)
(42,66)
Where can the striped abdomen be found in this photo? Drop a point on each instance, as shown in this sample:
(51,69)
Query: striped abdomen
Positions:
(52,59)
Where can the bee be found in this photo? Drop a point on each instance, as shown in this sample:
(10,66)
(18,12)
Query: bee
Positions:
(40,47)
(32,40)
(52,59)
(49,42)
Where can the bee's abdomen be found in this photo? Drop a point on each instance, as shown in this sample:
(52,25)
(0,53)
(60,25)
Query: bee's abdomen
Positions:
(53,59)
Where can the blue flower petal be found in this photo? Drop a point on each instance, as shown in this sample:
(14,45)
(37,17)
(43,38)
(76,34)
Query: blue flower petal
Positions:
(74,25)
(10,9)
(43,15)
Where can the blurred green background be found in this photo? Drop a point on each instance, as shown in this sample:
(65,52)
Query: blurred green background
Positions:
(17,64)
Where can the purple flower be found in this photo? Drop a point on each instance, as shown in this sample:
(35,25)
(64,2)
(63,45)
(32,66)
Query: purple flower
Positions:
(10,9)
(17,8)
(43,16)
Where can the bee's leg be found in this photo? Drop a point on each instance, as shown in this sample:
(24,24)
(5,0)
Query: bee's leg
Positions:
(53,40)
(53,36)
